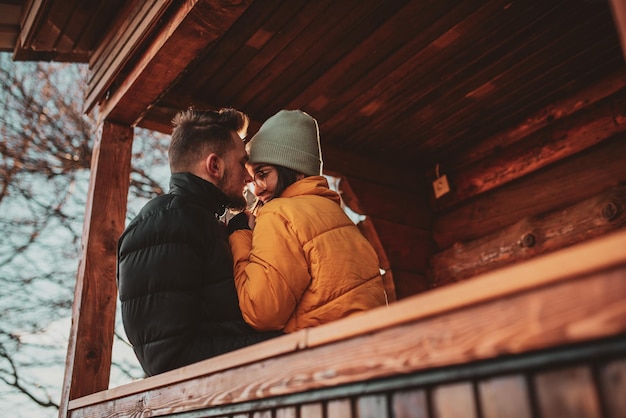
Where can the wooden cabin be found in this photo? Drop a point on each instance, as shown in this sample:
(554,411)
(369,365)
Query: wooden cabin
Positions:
(482,139)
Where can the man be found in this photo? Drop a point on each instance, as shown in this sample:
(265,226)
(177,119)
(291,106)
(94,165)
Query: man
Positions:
(178,298)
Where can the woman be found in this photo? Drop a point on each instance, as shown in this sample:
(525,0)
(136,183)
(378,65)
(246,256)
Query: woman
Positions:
(305,263)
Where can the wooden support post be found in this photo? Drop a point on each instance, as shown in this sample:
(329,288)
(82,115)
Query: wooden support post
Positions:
(88,363)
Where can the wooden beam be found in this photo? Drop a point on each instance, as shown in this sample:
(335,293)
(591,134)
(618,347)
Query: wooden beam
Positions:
(126,35)
(539,120)
(88,362)
(532,236)
(559,141)
(191,29)
(570,181)
(48,33)
(33,14)
(51,29)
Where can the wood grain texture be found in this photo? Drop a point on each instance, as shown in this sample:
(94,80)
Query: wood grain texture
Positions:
(567,393)
(580,260)
(563,139)
(532,236)
(384,205)
(267,44)
(361,70)
(339,163)
(126,34)
(579,310)
(505,397)
(539,120)
(88,360)
(304,69)
(264,350)
(419,59)
(565,183)
(191,28)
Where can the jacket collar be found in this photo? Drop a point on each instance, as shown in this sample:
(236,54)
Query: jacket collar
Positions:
(203,192)
(312,185)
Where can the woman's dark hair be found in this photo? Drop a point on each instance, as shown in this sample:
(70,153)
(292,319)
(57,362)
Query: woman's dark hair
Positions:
(286,177)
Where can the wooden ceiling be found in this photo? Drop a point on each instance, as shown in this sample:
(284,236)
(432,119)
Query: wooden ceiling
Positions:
(51,30)
(407,82)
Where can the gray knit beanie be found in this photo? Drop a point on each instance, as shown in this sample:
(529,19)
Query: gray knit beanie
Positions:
(290,139)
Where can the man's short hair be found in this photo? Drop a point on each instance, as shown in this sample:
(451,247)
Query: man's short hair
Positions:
(197,133)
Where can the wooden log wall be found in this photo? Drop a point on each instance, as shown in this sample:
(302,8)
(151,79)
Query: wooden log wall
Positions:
(532,236)
(557,179)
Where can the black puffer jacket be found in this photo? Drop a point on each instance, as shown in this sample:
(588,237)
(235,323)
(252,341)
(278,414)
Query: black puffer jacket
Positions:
(178,298)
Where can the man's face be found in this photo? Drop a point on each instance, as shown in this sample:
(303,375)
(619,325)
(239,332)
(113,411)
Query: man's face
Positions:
(235,176)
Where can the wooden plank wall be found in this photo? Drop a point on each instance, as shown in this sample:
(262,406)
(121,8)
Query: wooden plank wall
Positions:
(398,223)
(556,179)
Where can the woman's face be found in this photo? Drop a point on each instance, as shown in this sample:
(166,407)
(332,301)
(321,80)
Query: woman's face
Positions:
(265,181)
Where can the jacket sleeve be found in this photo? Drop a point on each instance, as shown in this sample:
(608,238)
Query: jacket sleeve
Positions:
(271,272)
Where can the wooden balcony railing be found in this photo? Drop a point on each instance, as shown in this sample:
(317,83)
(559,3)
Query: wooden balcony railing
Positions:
(486,347)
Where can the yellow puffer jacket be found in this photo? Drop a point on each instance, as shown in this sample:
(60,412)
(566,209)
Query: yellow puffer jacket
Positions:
(306,263)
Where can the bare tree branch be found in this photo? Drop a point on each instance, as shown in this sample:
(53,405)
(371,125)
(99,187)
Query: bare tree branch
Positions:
(45,158)
(12,378)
